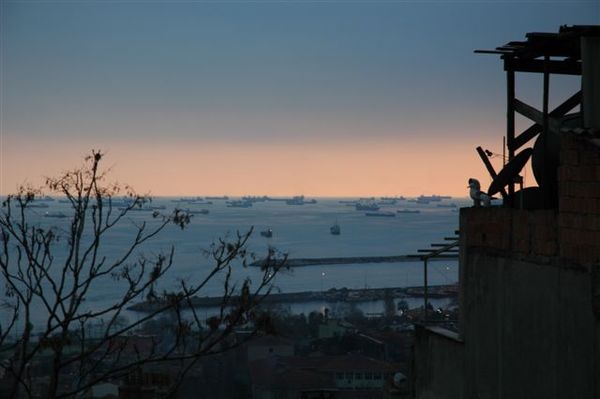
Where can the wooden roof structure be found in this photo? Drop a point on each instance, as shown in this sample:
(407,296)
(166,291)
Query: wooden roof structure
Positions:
(547,54)
(563,48)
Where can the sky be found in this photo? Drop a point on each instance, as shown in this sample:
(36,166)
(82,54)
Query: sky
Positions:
(321,98)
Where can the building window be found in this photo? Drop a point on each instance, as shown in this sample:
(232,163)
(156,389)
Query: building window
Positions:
(349,376)
(339,376)
(368,376)
(377,376)
(358,376)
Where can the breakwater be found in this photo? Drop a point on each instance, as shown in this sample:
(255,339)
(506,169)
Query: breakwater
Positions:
(331,296)
(300,262)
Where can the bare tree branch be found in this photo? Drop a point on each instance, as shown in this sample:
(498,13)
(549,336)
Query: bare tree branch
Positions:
(35,278)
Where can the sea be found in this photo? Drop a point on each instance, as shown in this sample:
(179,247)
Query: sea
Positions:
(300,231)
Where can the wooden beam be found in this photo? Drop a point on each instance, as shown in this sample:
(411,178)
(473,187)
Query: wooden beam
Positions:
(535,115)
(436,251)
(510,116)
(489,167)
(535,129)
(529,112)
(442,256)
(527,135)
(566,67)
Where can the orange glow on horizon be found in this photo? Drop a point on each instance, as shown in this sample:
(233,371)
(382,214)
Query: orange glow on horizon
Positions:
(382,167)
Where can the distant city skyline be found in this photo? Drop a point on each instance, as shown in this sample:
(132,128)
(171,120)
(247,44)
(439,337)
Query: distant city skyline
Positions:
(335,98)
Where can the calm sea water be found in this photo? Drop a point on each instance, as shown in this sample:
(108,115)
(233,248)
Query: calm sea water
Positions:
(300,231)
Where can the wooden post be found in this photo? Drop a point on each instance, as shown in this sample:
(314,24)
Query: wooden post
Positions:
(510,122)
(489,167)
(545,120)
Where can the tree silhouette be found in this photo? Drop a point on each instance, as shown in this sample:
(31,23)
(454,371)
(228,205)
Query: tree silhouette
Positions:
(38,277)
(389,306)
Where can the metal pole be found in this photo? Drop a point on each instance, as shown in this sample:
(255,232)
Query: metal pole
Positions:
(425,293)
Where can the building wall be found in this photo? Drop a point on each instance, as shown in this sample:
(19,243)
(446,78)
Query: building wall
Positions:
(439,364)
(530,296)
(529,330)
(256,352)
(530,285)
(359,379)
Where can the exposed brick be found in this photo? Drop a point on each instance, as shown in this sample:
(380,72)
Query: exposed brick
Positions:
(544,247)
(569,236)
(591,222)
(590,156)
(579,221)
(568,250)
(592,206)
(569,157)
(593,189)
(522,246)
(581,253)
(570,143)
(545,234)
(569,219)
(580,189)
(579,205)
(588,237)
(585,173)
(590,173)
(589,189)
(565,189)
(568,204)
(588,253)
(562,174)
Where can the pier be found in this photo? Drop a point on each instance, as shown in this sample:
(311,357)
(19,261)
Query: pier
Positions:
(300,262)
(331,296)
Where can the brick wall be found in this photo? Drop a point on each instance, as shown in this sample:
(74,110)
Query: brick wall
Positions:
(521,232)
(572,232)
(579,201)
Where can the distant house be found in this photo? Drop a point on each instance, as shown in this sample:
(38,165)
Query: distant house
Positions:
(269,346)
(346,376)
(331,328)
(152,381)
(358,372)
(105,391)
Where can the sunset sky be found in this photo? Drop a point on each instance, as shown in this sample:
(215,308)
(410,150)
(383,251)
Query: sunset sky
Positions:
(321,98)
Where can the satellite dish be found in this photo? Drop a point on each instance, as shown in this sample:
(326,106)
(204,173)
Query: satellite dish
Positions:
(509,172)
(399,378)
(528,198)
(545,157)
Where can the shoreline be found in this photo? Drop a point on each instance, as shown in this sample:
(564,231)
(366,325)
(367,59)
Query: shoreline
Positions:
(332,295)
(300,262)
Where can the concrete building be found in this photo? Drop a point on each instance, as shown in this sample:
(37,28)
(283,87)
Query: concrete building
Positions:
(342,377)
(530,270)
(268,346)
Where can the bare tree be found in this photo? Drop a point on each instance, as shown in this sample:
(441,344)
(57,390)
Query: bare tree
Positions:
(36,279)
